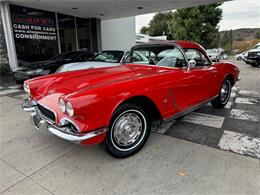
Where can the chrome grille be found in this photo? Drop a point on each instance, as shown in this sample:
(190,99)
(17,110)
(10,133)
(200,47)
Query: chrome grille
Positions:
(46,112)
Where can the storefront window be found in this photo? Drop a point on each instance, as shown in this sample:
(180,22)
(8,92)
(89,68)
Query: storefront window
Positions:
(35,34)
(83,32)
(67,32)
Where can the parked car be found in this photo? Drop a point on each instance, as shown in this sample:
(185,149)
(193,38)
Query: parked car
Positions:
(116,106)
(40,68)
(103,59)
(213,55)
(224,56)
(253,56)
(241,56)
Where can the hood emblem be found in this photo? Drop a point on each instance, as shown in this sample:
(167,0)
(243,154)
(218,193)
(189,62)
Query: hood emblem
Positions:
(51,92)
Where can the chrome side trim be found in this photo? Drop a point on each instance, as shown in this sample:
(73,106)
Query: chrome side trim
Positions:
(170,94)
(188,110)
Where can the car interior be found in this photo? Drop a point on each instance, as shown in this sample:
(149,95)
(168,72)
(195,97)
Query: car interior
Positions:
(162,55)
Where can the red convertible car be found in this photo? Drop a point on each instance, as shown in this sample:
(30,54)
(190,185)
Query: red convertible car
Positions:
(117,105)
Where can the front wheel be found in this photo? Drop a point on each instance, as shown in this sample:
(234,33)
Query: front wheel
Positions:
(223,96)
(128,131)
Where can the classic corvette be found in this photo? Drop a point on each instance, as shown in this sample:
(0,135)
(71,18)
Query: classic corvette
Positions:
(117,106)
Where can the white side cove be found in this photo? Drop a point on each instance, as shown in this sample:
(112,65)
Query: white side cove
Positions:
(243,115)
(118,34)
(204,119)
(240,143)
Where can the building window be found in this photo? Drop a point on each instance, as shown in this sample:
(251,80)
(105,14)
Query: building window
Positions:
(67,32)
(83,33)
(35,34)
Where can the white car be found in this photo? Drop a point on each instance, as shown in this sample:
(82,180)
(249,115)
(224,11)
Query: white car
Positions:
(241,56)
(213,54)
(103,59)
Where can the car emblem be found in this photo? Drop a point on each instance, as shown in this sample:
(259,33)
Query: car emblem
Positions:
(51,92)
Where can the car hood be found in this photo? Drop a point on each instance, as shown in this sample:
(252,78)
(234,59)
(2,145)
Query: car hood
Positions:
(42,64)
(77,81)
(85,65)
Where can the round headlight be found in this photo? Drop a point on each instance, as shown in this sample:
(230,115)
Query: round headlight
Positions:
(26,87)
(69,109)
(62,105)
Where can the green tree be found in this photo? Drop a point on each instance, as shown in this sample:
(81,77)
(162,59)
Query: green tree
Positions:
(257,35)
(144,30)
(226,41)
(199,24)
(158,25)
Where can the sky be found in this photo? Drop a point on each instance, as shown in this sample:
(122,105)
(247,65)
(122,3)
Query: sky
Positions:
(236,14)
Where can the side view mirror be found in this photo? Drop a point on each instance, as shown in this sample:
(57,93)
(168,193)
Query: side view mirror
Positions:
(191,64)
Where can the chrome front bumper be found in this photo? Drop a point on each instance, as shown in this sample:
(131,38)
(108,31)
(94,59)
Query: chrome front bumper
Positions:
(28,105)
(44,125)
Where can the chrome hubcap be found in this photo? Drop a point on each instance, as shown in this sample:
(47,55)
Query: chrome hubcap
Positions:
(225,91)
(127,129)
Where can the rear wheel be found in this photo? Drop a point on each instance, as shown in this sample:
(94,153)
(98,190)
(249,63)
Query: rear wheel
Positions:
(128,131)
(239,58)
(223,96)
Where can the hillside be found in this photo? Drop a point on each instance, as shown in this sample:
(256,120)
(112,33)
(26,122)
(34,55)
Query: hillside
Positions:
(244,39)
(243,33)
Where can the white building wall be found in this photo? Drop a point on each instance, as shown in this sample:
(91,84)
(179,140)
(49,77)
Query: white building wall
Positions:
(118,33)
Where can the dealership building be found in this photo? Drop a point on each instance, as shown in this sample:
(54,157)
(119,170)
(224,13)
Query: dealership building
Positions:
(39,29)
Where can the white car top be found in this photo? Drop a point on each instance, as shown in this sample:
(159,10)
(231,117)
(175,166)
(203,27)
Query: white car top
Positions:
(107,58)
(84,65)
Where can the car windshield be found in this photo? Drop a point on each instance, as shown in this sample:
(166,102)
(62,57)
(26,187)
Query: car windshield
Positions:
(162,55)
(257,47)
(108,56)
(66,55)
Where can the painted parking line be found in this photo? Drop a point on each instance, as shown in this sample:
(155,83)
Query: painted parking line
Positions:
(1,87)
(9,91)
(204,119)
(246,92)
(242,100)
(233,94)
(240,143)
(228,105)
(243,115)
(163,128)
(235,89)
(14,87)
(23,96)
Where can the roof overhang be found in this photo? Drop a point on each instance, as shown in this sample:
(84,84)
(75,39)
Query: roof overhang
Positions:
(109,9)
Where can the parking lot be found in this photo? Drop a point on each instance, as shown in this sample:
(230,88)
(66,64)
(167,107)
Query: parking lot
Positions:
(206,152)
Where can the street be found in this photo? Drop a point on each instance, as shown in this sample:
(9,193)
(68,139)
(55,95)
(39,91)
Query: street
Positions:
(208,151)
